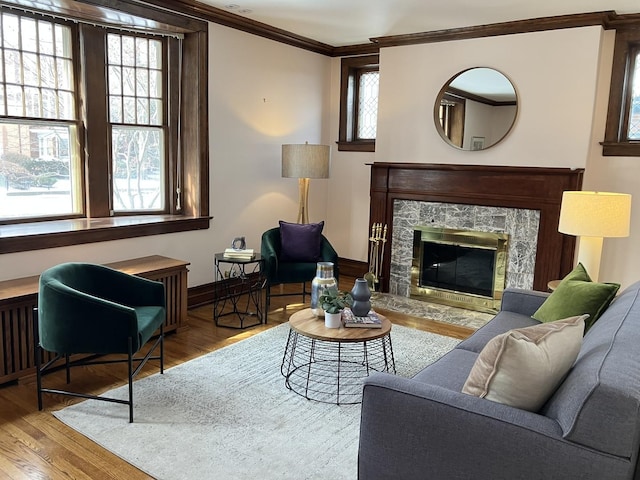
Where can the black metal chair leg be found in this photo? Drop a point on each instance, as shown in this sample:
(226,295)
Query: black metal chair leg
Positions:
(162,348)
(130,353)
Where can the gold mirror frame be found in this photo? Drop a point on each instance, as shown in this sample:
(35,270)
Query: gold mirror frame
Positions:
(476,109)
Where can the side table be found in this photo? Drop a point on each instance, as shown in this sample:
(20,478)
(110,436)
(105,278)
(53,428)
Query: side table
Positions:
(238,291)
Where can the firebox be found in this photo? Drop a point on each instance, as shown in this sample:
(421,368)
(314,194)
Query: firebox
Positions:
(461,268)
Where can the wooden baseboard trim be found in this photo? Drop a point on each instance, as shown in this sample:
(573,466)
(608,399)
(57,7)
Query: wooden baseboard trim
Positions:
(352,268)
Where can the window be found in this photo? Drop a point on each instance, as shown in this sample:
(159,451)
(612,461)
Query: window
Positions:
(98,124)
(359,103)
(136,104)
(39,175)
(622,135)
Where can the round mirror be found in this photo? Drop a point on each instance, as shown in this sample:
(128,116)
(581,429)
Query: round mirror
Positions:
(476,109)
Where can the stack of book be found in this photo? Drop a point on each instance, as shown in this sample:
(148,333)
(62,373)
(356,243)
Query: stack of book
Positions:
(244,254)
(349,320)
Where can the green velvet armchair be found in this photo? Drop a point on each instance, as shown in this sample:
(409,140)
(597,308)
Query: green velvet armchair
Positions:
(282,272)
(89,310)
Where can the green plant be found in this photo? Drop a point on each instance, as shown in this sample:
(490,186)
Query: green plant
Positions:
(333,300)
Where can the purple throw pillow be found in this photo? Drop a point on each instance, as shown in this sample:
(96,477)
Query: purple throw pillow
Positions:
(301,242)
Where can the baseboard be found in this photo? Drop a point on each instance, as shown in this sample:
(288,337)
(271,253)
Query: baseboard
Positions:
(352,268)
(204,294)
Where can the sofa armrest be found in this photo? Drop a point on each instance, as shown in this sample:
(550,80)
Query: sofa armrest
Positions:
(522,301)
(412,430)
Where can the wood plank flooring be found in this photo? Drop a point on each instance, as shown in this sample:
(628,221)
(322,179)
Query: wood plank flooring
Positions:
(35,445)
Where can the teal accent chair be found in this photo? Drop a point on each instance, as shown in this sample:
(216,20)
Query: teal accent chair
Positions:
(282,272)
(89,310)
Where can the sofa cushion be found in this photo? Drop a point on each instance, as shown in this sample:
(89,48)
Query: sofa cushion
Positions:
(450,371)
(502,322)
(300,242)
(524,366)
(576,295)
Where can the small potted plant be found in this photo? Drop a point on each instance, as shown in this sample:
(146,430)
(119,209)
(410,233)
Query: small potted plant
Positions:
(333,301)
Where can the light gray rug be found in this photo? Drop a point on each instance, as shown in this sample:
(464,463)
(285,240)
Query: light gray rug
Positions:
(228,415)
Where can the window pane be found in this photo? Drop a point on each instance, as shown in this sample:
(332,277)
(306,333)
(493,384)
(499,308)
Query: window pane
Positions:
(138,168)
(155,54)
(14,101)
(634,110)
(115,109)
(30,65)
(128,51)
(10,31)
(29,39)
(12,66)
(48,72)
(113,50)
(45,38)
(368,105)
(37,175)
(143,111)
(142,48)
(32,102)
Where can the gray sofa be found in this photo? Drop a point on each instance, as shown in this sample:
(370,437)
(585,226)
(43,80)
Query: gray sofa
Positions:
(425,428)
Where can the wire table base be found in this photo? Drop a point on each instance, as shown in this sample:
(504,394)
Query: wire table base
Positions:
(332,370)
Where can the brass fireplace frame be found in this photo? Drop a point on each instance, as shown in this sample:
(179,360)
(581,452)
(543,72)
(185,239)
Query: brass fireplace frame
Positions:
(487,240)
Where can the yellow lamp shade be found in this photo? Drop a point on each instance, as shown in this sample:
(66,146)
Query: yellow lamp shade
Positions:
(595,214)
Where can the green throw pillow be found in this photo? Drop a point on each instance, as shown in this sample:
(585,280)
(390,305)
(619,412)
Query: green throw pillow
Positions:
(576,295)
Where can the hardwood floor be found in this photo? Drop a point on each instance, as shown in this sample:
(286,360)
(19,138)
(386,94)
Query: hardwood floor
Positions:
(35,445)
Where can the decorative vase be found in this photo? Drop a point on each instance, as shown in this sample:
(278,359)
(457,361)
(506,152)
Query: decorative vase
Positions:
(361,298)
(333,320)
(324,279)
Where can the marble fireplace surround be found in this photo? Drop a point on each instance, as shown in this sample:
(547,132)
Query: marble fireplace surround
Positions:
(453,188)
(521,224)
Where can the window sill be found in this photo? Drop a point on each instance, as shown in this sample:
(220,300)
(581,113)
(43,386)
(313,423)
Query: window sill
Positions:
(357,146)
(61,233)
(620,149)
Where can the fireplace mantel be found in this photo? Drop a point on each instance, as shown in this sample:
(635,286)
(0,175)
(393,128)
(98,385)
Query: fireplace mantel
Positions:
(497,186)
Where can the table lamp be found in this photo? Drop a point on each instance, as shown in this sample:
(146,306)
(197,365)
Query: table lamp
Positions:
(304,162)
(593,216)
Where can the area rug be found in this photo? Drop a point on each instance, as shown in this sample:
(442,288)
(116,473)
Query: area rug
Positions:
(228,415)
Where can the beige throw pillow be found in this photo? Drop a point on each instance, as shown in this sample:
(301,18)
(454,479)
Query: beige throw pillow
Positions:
(524,366)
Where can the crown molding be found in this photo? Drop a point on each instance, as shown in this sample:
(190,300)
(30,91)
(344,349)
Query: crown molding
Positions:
(608,19)
(203,12)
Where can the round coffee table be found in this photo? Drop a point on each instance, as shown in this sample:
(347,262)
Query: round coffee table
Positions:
(328,364)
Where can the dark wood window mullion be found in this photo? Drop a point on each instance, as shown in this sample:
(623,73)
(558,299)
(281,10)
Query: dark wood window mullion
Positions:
(97,158)
(356,105)
(628,94)
(172,114)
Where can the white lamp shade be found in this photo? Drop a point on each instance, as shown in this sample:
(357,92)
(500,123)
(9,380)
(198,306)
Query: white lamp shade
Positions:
(305,161)
(595,214)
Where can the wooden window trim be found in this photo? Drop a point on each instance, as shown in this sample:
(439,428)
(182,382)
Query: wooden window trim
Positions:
(351,68)
(194,156)
(615,139)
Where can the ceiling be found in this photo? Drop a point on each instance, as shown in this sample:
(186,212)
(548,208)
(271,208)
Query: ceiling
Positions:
(352,22)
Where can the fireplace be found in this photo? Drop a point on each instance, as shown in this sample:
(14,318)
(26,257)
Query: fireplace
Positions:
(523,202)
(463,268)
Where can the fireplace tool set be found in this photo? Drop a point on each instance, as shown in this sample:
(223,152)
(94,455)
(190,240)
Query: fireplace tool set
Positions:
(376,254)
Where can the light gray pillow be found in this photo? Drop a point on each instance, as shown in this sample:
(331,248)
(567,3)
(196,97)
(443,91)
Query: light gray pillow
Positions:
(524,366)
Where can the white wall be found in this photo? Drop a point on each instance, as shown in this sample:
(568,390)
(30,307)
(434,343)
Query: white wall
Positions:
(264,94)
(261,94)
(620,256)
(561,78)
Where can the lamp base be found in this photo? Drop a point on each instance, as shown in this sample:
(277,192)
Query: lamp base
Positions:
(303,208)
(589,253)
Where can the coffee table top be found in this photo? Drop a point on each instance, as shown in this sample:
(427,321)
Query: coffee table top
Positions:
(307,324)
